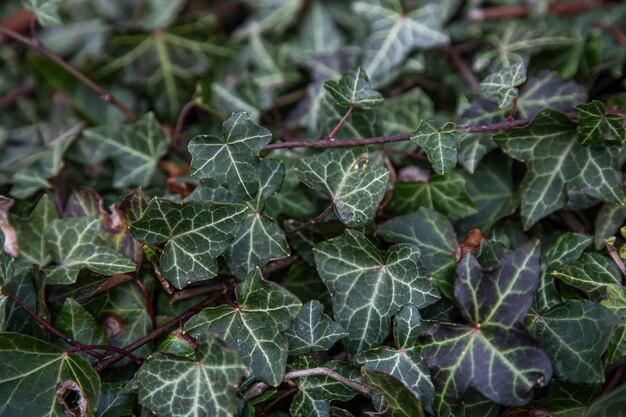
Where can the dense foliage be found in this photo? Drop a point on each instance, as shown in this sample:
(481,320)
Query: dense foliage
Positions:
(312,208)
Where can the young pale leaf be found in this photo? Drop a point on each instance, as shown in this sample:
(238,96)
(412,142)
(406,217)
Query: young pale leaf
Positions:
(394,34)
(206,387)
(312,330)
(76,322)
(30,234)
(233,159)
(367,288)
(254,325)
(575,334)
(354,186)
(74,244)
(432,232)
(445,193)
(557,163)
(594,126)
(401,402)
(502,84)
(47,11)
(440,144)
(494,302)
(354,90)
(135,150)
(34,374)
(194,234)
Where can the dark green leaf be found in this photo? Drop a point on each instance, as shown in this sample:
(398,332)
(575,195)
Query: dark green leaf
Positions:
(594,126)
(312,330)
(548,90)
(75,321)
(401,402)
(30,234)
(440,144)
(503,83)
(354,90)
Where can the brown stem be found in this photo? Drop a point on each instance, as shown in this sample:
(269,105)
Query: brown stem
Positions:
(105,347)
(314,220)
(164,283)
(39,47)
(332,134)
(466,71)
(47,326)
(156,333)
(401,137)
(181,120)
(195,291)
(280,264)
(564,8)
(615,256)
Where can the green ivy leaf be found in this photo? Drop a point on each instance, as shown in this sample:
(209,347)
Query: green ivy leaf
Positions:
(76,322)
(233,160)
(354,186)
(367,288)
(445,193)
(548,90)
(203,387)
(354,90)
(255,325)
(194,234)
(558,164)
(616,302)
(6,276)
(575,334)
(440,144)
(502,84)
(407,325)
(475,405)
(592,273)
(401,402)
(361,123)
(38,374)
(30,234)
(434,234)
(403,113)
(594,126)
(135,150)
(610,218)
(313,331)
(395,34)
(47,11)
(494,302)
(610,405)
(74,244)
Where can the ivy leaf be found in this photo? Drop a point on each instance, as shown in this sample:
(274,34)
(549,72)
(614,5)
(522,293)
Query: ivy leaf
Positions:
(361,123)
(354,186)
(594,126)
(548,90)
(592,273)
(46,11)
(233,160)
(35,375)
(31,237)
(395,34)
(609,405)
(76,322)
(354,90)
(616,302)
(74,244)
(255,325)
(407,325)
(610,218)
(434,234)
(403,113)
(194,234)
(367,288)
(440,144)
(135,150)
(203,387)
(575,334)
(445,193)
(401,402)
(494,302)
(313,331)
(502,84)
(558,164)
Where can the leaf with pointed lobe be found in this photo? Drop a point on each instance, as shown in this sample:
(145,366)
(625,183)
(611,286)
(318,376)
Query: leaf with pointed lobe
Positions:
(76,322)
(440,144)
(401,402)
(367,288)
(194,234)
(407,325)
(171,386)
(503,83)
(615,301)
(254,325)
(46,11)
(608,221)
(594,126)
(313,331)
(592,273)
(354,90)
(354,185)
(548,90)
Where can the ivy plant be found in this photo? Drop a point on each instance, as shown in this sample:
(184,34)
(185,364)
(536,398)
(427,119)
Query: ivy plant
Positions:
(312,208)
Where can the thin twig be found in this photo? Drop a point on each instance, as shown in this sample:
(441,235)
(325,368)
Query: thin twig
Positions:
(280,264)
(332,134)
(39,47)
(615,256)
(106,347)
(313,221)
(156,333)
(564,8)
(181,120)
(164,283)
(401,137)
(195,291)
(466,71)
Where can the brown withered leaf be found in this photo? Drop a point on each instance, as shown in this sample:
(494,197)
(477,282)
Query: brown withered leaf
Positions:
(10,238)
(472,241)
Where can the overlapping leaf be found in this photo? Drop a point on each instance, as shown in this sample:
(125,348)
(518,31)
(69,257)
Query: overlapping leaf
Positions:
(367,288)
(30,234)
(254,325)
(354,186)
(594,126)
(494,302)
(75,321)
(202,387)
(401,402)
(558,165)
(194,234)
(354,90)
(440,144)
(312,330)
(592,273)
(503,83)
(548,90)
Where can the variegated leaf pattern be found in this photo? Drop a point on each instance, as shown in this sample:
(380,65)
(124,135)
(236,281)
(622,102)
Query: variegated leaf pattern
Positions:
(31,236)
(204,387)
(440,144)
(503,83)
(547,90)
(354,185)
(46,11)
(254,325)
(594,126)
(354,90)
(401,402)
(194,234)
(367,288)
(313,331)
